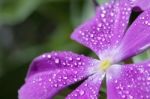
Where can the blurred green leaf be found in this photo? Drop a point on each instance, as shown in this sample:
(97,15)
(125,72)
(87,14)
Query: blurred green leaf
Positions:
(13,11)
(25,55)
(1,69)
(88,10)
(62,94)
(59,97)
(60,39)
(102,1)
(141,57)
(11,82)
(76,12)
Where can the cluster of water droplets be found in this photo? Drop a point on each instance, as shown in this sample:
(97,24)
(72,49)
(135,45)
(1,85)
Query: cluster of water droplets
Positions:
(137,35)
(134,82)
(87,90)
(50,82)
(63,69)
(58,60)
(106,29)
(67,59)
(145,19)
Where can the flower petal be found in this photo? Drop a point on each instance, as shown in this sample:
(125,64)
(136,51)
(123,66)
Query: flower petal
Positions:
(45,85)
(106,29)
(131,82)
(142,4)
(137,37)
(55,60)
(89,89)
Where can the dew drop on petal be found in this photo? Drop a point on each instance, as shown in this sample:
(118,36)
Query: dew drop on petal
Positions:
(49,56)
(81,92)
(56,60)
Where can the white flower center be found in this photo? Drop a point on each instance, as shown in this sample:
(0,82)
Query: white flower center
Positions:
(105,64)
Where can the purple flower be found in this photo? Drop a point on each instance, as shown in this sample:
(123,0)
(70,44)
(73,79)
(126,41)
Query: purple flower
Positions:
(108,36)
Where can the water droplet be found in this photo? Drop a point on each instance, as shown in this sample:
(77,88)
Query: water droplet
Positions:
(75,94)
(40,79)
(91,35)
(112,14)
(130,97)
(56,61)
(102,15)
(78,58)
(123,96)
(99,25)
(64,63)
(49,56)
(98,29)
(70,58)
(81,92)
(65,77)
(43,56)
(33,81)
(55,85)
(85,85)
(75,79)
(49,79)
(148,78)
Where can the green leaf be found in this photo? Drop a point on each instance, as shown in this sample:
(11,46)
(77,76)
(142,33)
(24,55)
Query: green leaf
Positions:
(88,10)
(13,11)
(102,1)
(142,56)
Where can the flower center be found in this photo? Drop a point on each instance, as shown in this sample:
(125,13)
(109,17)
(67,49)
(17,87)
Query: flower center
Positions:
(105,64)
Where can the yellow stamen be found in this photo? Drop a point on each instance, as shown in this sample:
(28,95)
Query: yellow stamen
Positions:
(105,64)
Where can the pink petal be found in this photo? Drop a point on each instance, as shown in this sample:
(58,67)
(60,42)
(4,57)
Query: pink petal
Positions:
(45,85)
(106,29)
(137,38)
(89,89)
(58,60)
(129,81)
(142,4)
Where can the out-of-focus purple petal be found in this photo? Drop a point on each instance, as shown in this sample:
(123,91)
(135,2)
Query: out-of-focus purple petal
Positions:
(130,82)
(137,38)
(57,60)
(45,85)
(106,29)
(140,4)
(89,89)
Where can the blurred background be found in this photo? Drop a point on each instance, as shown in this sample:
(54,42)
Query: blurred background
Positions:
(29,28)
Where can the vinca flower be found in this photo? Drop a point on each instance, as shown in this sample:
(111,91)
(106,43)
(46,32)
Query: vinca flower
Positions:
(109,35)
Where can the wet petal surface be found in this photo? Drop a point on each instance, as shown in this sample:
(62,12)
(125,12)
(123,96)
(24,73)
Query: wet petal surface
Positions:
(137,37)
(131,82)
(45,85)
(89,89)
(142,4)
(58,60)
(106,29)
